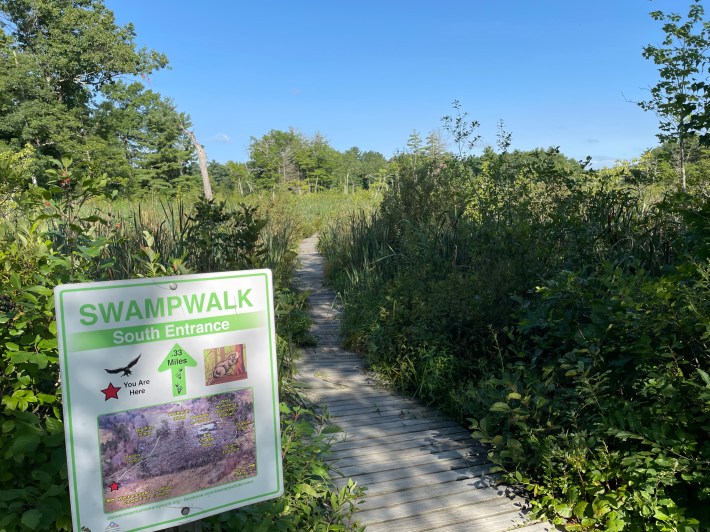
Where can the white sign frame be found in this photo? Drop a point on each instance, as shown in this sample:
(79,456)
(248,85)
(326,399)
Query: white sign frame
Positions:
(170,397)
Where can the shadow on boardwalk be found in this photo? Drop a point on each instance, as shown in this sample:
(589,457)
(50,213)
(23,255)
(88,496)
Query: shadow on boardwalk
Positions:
(422,470)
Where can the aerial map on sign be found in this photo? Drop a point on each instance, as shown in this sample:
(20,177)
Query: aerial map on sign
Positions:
(164,451)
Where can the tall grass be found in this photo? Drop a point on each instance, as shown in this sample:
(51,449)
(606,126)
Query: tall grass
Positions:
(163,225)
(308,213)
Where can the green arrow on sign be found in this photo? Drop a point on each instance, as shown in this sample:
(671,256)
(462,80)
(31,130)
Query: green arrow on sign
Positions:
(177,360)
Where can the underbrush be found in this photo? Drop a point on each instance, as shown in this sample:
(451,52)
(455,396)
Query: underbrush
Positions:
(64,233)
(562,313)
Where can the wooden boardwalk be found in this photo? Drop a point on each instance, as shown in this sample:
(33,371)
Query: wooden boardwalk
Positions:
(422,470)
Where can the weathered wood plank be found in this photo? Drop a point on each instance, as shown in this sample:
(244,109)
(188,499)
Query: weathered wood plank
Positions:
(349,441)
(401,484)
(418,493)
(478,502)
(392,429)
(386,449)
(485,518)
(343,406)
(460,467)
(367,412)
(406,460)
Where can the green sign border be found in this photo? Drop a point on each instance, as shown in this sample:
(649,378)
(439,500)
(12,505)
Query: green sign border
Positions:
(66,392)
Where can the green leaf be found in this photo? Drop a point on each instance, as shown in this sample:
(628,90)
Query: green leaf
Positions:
(579,509)
(499,407)
(563,509)
(64,522)
(46,398)
(600,507)
(40,290)
(54,426)
(307,489)
(31,518)
(42,476)
(320,471)
(665,462)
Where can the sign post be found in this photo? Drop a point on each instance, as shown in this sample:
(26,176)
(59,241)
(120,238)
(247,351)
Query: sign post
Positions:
(170,397)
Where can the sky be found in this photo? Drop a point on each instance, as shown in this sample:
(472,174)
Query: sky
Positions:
(368,73)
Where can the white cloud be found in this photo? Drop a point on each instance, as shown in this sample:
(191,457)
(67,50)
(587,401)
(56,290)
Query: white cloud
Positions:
(220,137)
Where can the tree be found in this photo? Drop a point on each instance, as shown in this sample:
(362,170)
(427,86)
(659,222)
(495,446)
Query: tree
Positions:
(219,173)
(202,159)
(317,162)
(140,134)
(351,162)
(372,168)
(272,157)
(435,145)
(288,158)
(62,66)
(415,145)
(56,57)
(680,98)
(461,130)
(167,153)
(238,175)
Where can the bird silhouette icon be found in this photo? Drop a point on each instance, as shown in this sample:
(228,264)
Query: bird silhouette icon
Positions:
(126,369)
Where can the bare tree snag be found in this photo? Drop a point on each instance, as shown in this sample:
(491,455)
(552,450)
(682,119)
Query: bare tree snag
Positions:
(203,163)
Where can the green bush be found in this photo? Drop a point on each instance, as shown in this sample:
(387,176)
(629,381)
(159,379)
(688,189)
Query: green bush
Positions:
(53,234)
(603,406)
(562,311)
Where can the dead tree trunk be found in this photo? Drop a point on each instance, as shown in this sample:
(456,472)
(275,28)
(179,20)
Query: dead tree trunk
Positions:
(203,163)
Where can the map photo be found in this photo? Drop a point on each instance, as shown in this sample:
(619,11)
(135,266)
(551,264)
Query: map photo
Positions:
(165,451)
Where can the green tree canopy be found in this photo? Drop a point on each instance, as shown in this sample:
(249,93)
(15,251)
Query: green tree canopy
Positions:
(65,89)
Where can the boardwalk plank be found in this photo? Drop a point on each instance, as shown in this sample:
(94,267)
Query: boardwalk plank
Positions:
(478,502)
(405,460)
(432,479)
(426,492)
(374,451)
(459,467)
(484,518)
(425,436)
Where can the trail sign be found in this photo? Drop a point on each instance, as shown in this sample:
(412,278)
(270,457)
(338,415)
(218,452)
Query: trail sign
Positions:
(170,398)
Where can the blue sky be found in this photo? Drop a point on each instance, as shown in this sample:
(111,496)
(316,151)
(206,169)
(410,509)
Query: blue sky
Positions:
(366,73)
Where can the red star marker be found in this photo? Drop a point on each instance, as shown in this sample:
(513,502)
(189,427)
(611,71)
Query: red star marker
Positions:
(114,486)
(111,392)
